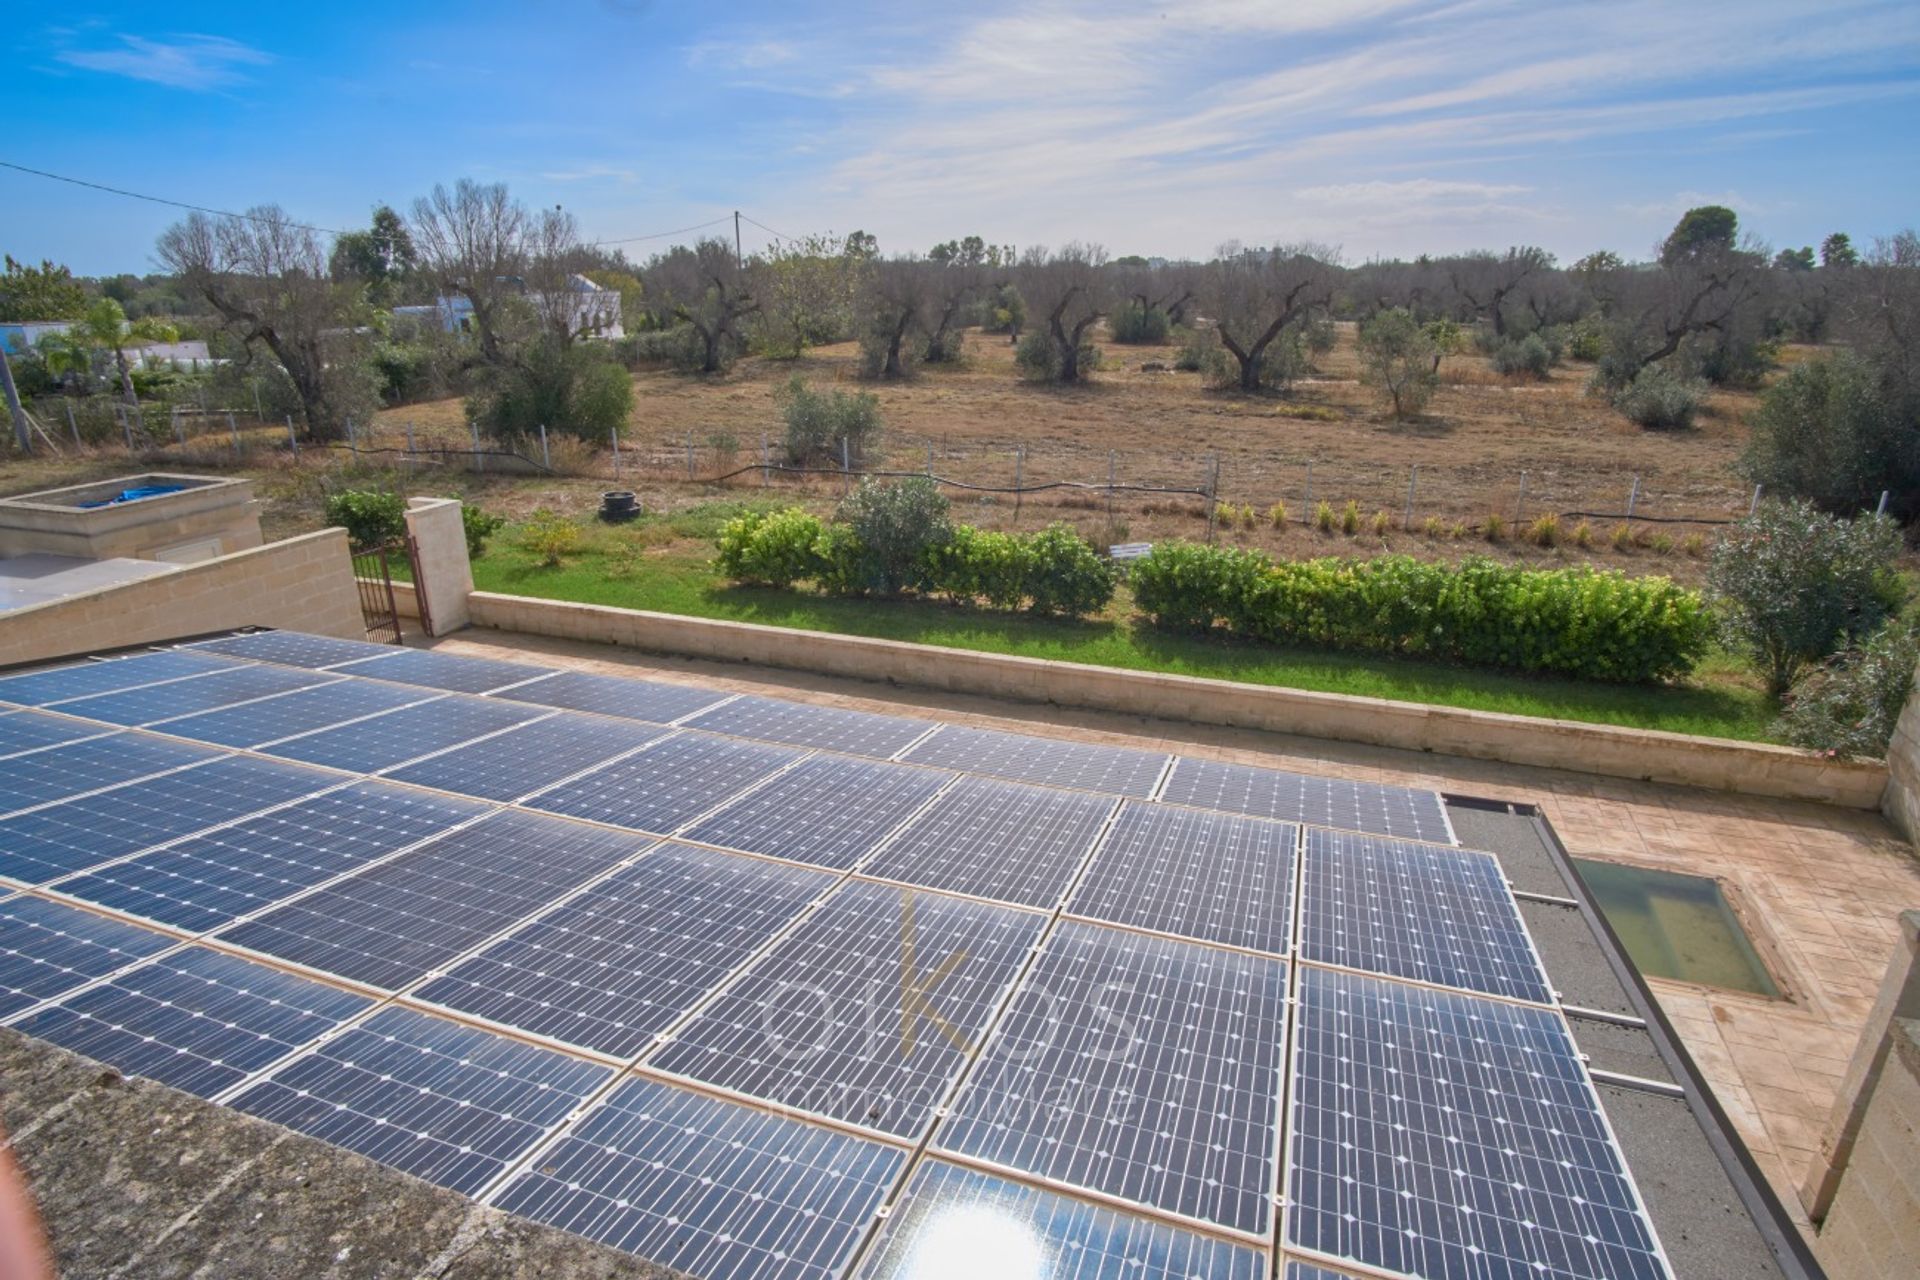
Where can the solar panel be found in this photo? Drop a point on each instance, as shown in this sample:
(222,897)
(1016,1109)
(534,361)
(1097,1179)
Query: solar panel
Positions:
(1295,797)
(866,1013)
(1142,1067)
(1434,913)
(1297,1270)
(615,965)
(1053,761)
(668,785)
(292,648)
(997,840)
(76,834)
(41,688)
(856,733)
(524,760)
(1006,1229)
(443,670)
(156,702)
(212,879)
(443,1102)
(320,707)
(392,924)
(22,731)
(398,736)
(47,949)
(1451,1136)
(78,767)
(197,1020)
(828,810)
(649,700)
(713,1189)
(1194,873)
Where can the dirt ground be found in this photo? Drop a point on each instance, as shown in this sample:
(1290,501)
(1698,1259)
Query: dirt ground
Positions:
(1150,424)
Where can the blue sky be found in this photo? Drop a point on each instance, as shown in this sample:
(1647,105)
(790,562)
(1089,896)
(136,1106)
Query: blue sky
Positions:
(1379,126)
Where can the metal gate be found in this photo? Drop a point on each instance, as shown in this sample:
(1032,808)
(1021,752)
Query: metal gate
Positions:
(378,609)
(419,586)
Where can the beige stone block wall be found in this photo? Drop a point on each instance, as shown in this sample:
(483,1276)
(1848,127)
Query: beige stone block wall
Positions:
(1901,803)
(301,584)
(1749,768)
(1873,1230)
(440,552)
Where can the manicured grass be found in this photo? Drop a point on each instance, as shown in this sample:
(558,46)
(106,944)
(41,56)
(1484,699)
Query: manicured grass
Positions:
(663,565)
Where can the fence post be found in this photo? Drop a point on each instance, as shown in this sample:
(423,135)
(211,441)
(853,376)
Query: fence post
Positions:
(259,411)
(409,437)
(1019,479)
(1406,517)
(1110,473)
(479,462)
(1633,499)
(546,458)
(615,431)
(1755,504)
(1306,507)
(1213,494)
(126,424)
(689,457)
(1520,507)
(293,440)
(353,438)
(74,424)
(233,429)
(846,468)
(1882,508)
(766,462)
(179,436)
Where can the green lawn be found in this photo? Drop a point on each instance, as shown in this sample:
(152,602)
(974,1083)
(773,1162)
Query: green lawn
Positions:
(662,564)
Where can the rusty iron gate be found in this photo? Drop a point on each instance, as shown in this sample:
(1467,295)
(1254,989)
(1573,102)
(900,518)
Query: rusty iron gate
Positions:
(378,608)
(419,586)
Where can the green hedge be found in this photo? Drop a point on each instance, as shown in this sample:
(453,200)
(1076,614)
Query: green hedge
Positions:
(1573,622)
(1053,571)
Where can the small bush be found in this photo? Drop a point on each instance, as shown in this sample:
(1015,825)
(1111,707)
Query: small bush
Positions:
(1621,539)
(1401,359)
(1350,518)
(1582,535)
(1796,585)
(1323,516)
(1459,529)
(777,549)
(478,526)
(1039,360)
(1308,412)
(1662,544)
(980,565)
(1544,531)
(570,388)
(1197,351)
(1849,705)
(1381,522)
(1065,575)
(1185,586)
(896,526)
(1433,527)
(1529,357)
(1659,401)
(1829,432)
(1694,544)
(678,346)
(1135,323)
(1277,515)
(371,519)
(550,537)
(1496,530)
(818,422)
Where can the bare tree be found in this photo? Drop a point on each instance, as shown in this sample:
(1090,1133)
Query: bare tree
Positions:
(1170,289)
(1067,292)
(1657,311)
(707,289)
(473,242)
(1484,281)
(1256,296)
(951,287)
(895,298)
(267,280)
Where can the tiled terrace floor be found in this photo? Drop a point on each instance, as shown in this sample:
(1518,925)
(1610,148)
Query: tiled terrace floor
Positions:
(1821,887)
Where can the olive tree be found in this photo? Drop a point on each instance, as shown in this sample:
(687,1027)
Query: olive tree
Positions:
(1066,292)
(1401,358)
(471,241)
(1485,282)
(1260,297)
(895,296)
(709,290)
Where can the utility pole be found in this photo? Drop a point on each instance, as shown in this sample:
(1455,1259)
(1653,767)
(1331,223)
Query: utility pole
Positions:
(22,434)
(739,258)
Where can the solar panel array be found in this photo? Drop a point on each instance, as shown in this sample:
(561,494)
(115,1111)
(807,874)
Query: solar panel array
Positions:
(757,988)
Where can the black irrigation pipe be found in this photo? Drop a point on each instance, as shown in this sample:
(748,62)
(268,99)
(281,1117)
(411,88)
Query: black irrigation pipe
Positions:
(957,484)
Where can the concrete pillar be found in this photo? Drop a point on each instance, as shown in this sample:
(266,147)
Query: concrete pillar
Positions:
(440,551)
(1901,803)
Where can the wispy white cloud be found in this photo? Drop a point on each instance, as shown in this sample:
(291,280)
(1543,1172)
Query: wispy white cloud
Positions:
(592,173)
(195,62)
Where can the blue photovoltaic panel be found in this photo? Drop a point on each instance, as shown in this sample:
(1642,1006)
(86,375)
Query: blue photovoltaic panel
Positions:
(63,838)
(197,1020)
(1195,873)
(39,688)
(31,730)
(1297,797)
(47,949)
(398,736)
(212,879)
(77,767)
(829,811)
(1433,913)
(443,1102)
(524,760)
(1452,1137)
(1142,1067)
(648,700)
(865,1013)
(292,648)
(633,952)
(668,785)
(708,1187)
(997,840)
(1307,1271)
(856,733)
(1054,761)
(949,1213)
(392,924)
(321,707)
(156,702)
(443,670)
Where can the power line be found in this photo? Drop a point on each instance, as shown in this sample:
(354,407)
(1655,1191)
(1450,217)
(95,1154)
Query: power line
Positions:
(304,226)
(764,227)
